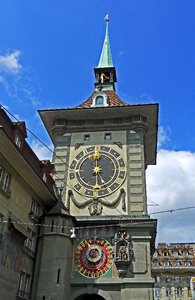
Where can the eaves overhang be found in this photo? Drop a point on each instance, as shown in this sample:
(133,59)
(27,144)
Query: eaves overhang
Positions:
(150,111)
(10,152)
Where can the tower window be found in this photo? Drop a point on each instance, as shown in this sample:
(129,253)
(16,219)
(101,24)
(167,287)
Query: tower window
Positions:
(107,136)
(99,100)
(58,277)
(52,225)
(87,137)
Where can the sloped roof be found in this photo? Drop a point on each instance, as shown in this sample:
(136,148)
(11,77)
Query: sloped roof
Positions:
(112,100)
(58,209)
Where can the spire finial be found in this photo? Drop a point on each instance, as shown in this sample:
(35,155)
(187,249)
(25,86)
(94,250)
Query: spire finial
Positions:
(107,18)
(106,57)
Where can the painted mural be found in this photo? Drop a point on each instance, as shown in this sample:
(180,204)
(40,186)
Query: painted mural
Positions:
(11,251)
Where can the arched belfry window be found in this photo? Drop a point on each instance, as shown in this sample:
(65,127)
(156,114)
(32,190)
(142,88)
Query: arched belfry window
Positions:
(99,99)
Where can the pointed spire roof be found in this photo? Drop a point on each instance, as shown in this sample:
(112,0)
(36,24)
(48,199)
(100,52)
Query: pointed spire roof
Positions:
(106,56)
(58,209)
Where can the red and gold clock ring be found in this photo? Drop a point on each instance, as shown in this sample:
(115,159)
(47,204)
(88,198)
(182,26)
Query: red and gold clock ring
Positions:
(93,257)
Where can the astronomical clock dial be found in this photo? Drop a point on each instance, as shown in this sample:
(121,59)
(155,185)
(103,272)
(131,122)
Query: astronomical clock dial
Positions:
(97,171)
(93,257)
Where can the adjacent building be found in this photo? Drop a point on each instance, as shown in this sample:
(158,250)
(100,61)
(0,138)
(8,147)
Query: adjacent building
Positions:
(26,192)
(173,267)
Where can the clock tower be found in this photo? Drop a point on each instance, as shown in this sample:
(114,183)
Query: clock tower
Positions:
(102,149)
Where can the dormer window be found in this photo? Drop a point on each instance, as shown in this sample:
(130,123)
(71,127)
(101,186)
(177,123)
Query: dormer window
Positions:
(100,99)
(18,141)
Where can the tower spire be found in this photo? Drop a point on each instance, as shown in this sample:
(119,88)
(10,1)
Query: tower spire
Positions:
(106,56)
(105,72)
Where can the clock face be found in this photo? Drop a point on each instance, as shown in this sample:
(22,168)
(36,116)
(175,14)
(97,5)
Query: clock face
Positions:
(93,257)
(97,171)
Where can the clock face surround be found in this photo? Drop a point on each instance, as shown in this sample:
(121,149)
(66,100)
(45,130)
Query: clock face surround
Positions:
(97,171)
(93,257)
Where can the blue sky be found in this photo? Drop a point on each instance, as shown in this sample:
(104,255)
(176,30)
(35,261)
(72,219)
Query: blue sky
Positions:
(48,50)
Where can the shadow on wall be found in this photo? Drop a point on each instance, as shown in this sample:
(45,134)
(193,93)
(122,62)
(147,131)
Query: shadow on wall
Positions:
(89,297)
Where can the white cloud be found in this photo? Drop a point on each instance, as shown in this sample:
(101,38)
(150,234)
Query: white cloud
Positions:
(16,79)
(41,151)
(171,184)
(10,62)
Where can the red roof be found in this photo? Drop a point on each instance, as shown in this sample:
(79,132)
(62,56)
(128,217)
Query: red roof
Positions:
(112,99)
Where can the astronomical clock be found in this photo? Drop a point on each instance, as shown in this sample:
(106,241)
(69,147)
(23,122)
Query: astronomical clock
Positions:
(93,257)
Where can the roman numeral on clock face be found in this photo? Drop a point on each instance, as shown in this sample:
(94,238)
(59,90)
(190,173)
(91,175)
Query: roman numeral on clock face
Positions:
(119,180)
(82,190)
(73,181)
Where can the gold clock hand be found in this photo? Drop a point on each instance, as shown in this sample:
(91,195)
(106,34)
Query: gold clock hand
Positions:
(96,154)
(96,170)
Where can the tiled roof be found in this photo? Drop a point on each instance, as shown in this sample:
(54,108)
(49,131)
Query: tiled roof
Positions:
(112,100)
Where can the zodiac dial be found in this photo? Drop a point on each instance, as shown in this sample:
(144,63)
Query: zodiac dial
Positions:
(97,171)
(93,257)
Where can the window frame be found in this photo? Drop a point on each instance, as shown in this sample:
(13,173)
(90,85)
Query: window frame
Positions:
(30,243)
(86,137)
(104,96)
(24,285)
(5,181)
(106,135)
(99,97)
(34,211)
(18,141)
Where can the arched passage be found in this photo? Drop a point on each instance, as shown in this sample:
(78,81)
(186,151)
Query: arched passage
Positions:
(90,297)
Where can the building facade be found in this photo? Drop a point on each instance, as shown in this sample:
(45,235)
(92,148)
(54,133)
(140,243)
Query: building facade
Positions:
(173,267)
(102,149)
(26,191)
